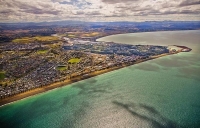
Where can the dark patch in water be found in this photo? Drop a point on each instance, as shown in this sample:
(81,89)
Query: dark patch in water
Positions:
(157,122)
(66,100)
(149,108)
(83,85)
(97,90)
(5,124)
(89,87)
(196,106)
(92,80)
(148,67)
(80,85)
(93,89)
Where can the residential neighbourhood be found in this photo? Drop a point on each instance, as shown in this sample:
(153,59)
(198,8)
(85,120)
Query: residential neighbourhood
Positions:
(27,66)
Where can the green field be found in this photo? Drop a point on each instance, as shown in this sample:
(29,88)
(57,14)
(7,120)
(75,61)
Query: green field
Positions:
(2,75)
(42,51)
(61,68)
(74,60)
(46,38)
(36,38)
(23,40)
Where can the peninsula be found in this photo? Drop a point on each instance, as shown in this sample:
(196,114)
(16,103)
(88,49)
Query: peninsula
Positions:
(33,65)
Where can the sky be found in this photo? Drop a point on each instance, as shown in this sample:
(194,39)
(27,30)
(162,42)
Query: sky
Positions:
(99,10)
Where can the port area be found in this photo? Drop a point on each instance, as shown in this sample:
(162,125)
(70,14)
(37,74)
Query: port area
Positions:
(178,48)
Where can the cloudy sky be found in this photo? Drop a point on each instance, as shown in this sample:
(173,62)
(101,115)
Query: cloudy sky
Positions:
(98,10)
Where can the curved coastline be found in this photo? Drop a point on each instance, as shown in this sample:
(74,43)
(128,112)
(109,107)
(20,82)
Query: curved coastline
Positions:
(46,88)
(145,32)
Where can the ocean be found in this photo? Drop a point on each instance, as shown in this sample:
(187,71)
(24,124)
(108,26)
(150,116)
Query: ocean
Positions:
(160,93)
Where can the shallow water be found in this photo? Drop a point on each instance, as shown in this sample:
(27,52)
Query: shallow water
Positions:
(160,93)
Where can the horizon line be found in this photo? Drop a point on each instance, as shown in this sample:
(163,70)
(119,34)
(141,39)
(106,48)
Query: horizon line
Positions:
(101,21)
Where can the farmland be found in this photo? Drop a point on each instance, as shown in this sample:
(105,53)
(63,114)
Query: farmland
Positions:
(36,39)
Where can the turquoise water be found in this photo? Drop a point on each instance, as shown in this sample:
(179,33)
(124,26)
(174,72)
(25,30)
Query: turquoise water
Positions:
(160,93)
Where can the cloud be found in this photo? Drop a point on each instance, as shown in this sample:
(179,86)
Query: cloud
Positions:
(79,13)
(61,0)
(40,11)
(98,10)
(93,13)
(6,11)
(37,8)
(188,3)
(117,1)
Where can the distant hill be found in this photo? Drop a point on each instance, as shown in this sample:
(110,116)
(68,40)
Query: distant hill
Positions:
(120,23)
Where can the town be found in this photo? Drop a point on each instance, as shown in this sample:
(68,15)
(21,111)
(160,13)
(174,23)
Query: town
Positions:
(28,63)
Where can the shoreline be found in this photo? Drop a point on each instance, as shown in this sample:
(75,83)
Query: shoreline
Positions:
(66,82)
(146,32)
